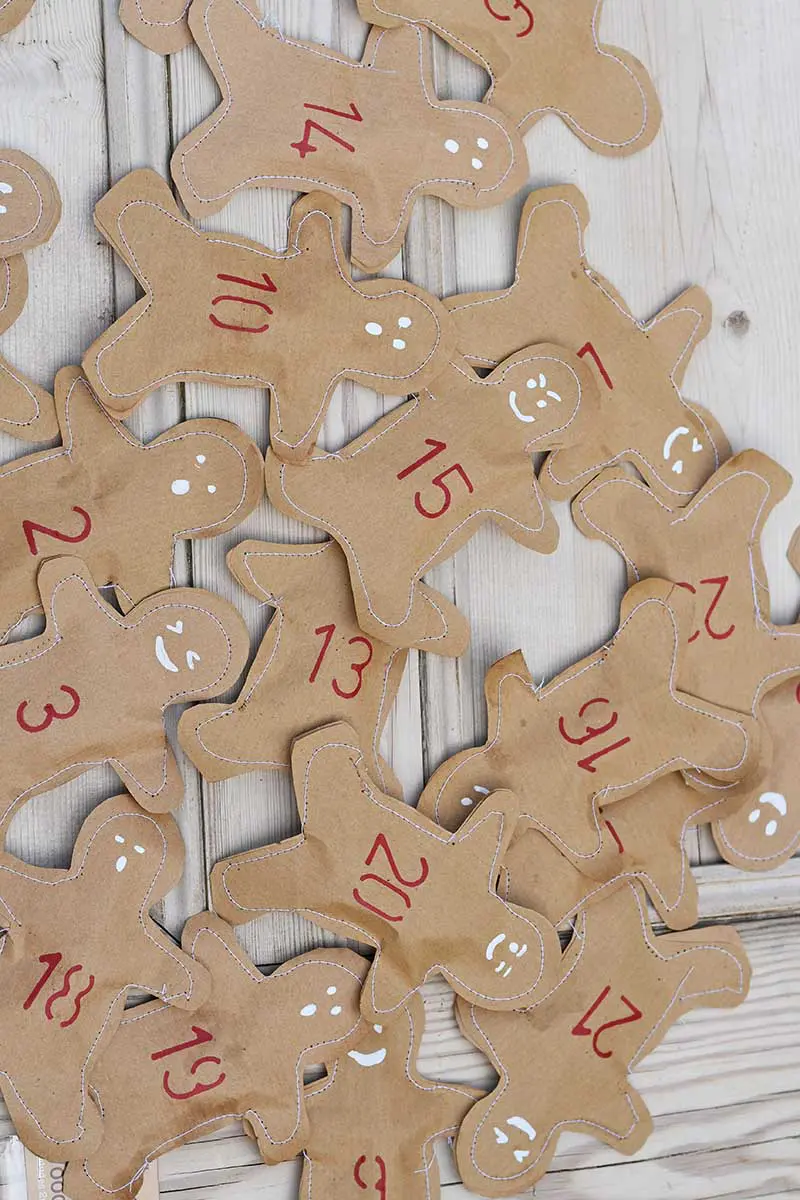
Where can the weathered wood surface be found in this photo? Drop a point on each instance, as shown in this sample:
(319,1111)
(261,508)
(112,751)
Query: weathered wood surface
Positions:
(712,202)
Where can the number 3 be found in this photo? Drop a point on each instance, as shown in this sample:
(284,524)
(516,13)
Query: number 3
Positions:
(50,712)
(517,5)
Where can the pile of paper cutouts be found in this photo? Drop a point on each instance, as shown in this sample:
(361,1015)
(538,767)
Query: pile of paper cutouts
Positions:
(571,818)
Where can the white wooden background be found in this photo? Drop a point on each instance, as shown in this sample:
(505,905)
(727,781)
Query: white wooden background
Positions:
(713,201)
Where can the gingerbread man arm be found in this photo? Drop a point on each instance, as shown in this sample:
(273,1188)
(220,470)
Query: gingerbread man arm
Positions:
(242,884)
(623,512)
(677,331)
(160,25)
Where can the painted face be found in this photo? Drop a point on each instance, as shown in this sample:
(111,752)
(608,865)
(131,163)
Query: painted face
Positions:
(767,827)
(686,454)
(504,953)
(371,1054)
(187,646)
(329,1008)
(129,849)
(205,481)
(541,397)
(21,209)
(473,149)
(511,1141)
(397,335)
(477,794)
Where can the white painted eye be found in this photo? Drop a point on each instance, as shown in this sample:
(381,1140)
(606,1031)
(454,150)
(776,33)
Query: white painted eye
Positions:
(405,323)
(200,459)
(180,487)
(513,947)
(331,991)
(308,1010)
(192,657)
(483,144)
(500,1137)
(176,628)
(120,839)
(754,816)
(121,863)
(452,146)
(336,1011)
(399,344)
(772,828)
(211,488)
(477,164)
(374,329)
(378,1028)
(139,849)
(5,189)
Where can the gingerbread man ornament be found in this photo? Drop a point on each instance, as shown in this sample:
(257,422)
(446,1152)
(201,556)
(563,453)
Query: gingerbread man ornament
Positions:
(93,687)
(30,209)
(372,133)
(416,486)
(315,664)
(197,480)
(168,1077)
(544,58)
(621,988)
(354,1131)
(639,367)
(369,867)
(78,941)
(225,310)
(12,12)
(161,25)
(598,732)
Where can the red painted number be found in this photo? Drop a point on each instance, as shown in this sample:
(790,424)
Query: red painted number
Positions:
(719,584)
(615,836)
(31,528)
(358,668)
(304,146)
(381,844)
(590,732)
(51,713)
(583,1029)
(437,448)
(516,6)
(52,962)
(201,1037)
(266,286)
(380,1185)
(590,350)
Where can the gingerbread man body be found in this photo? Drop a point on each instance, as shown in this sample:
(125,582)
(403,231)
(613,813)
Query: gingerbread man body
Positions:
(93,687)
(161,25)
(354,1132)
(374,134)
(225,310)
(621,989)
(240,1056)
(556,296)
(200,479)
(314,665)
(367,866)
(544,58)
(29,212)
(432,472)
(78,941)
(598,732)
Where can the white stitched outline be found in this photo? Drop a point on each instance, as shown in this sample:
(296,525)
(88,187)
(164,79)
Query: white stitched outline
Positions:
(7,244)
(161,24)
(410,817)
(631,453)
(365,64)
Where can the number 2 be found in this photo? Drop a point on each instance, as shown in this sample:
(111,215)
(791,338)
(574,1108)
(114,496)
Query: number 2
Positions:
(31,528)
(583,1029)
(720,583)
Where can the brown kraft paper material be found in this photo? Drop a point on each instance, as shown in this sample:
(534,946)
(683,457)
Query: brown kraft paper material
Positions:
(414,488)
(161,25)
(93,687)
(79,940)
(621,989)
(544,57)
(168,1077)
(314,665)
(367,866)
(598,732)
(639,367)
(122,504)
(12,12)
(374,1120)
(225,310)
(372,133)
(30,209)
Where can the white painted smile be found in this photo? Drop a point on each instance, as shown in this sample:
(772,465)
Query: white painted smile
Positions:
(163,656)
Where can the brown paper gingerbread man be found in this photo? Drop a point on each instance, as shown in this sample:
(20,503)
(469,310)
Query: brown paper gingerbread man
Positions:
(314,665)
(372,133)
(161,25)
(93,687)
(374,1120)
(643,838)
(225,310)
(544,57)
(564,1062)
(12,12)
(168,1077)
(79,940)
(197,480)
(30,209)
(368,866)
(598,732)
(639,368)
(416,486)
